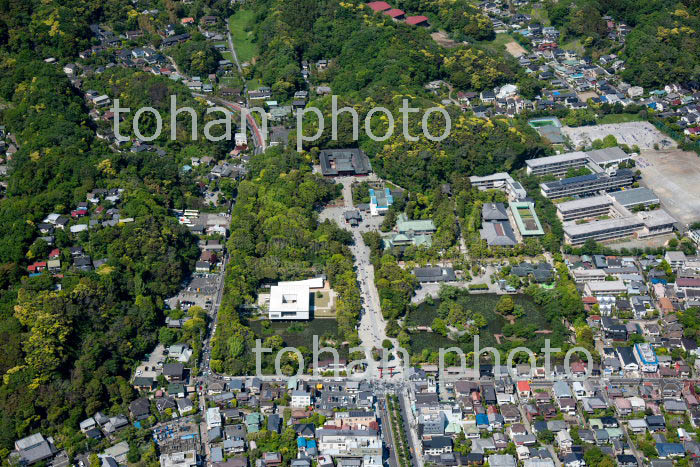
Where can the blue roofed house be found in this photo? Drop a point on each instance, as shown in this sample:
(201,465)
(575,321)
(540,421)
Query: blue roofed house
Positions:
(667,450)
(482,421)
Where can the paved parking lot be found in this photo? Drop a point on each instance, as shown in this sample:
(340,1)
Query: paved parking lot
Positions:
(151,367)
(200,291)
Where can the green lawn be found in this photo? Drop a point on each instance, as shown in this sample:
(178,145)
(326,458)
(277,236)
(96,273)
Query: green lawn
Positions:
(574,45)
(240,24)
(254,84)
(231,81)
(620,118)
(540,15)
(497,45)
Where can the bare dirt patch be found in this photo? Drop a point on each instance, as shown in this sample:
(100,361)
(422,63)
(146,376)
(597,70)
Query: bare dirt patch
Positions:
(515,49)
(443,39)
(674,176)
(584,96)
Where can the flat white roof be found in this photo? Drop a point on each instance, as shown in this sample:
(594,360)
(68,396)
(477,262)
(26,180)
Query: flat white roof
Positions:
(569,156)
(582,203)
(580,272)
(606,286)
(607,155)
(289,298)
(656,218)
(315,283)
(571,228)
(490,178)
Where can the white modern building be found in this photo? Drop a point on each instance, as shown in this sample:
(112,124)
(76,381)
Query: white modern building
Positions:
(646,357)
(292,300)
(500,181)
(300,399)
(607,229)
(349,443)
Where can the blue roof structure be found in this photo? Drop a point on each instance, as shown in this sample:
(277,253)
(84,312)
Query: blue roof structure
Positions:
(670,449)
(482,419)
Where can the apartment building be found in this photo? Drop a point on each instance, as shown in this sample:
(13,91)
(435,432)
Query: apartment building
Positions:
(646,357)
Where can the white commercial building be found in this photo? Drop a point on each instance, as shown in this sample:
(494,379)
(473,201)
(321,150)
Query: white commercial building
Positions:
(291,300)
(349,443)
(605,288)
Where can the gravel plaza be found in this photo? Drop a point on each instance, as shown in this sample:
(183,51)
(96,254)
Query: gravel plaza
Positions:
(643,134)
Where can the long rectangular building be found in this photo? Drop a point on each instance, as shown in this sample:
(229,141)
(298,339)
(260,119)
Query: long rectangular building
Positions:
(608,229)
(556,165)
(587,184)
(584,207)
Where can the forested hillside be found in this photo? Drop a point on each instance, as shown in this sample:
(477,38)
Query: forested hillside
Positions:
(374,61)
(68,343)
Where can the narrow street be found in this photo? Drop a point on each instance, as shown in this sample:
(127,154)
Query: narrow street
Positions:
(411,427)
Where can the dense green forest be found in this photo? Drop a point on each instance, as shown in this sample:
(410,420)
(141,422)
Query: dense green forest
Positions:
(660,49)
(370,55)
(68,351)
(61,28)
(276,235)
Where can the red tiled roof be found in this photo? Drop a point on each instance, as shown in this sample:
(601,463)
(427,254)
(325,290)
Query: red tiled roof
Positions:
(379,6)
(687,282)
(523,386)
(395,12)
(415,20)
